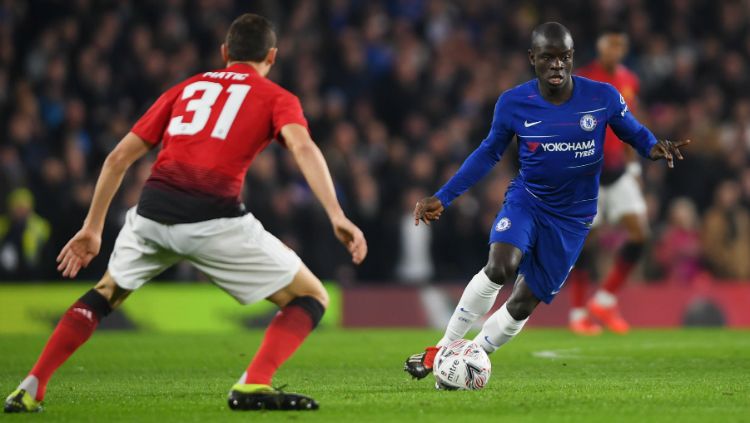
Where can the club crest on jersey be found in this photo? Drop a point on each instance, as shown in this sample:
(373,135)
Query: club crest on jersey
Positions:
(502,224)
(588,122)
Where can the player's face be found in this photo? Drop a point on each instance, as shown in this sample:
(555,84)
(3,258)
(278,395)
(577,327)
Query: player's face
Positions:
(612,48)
(553,63)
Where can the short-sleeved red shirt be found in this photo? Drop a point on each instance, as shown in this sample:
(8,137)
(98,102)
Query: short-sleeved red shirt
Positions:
(628,85)
(211,127)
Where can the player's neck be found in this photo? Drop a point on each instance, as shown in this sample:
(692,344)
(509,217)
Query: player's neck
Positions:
(261,68)
(556,96)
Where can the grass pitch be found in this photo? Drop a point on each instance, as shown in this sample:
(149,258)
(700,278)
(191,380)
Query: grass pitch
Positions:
(543,375)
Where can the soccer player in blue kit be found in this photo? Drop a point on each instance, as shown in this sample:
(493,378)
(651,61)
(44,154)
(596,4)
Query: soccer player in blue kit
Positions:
(559,121)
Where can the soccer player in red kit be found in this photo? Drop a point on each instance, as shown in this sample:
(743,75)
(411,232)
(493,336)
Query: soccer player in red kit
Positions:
(621,201)
(210,126)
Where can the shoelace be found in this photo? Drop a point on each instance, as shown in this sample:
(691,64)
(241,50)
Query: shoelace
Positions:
(280,389)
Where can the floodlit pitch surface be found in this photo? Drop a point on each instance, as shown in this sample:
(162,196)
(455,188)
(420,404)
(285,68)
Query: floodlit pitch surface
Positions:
(543,375)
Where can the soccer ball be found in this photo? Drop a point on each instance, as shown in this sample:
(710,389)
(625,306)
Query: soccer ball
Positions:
(461,365)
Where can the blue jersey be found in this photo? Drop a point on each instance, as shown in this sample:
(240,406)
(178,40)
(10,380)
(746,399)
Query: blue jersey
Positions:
(560,146)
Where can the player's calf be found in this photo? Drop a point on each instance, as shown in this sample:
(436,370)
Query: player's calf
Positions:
(477,299)
(303,303)
(522,301)
(75,327)
(286,332)
(508,320)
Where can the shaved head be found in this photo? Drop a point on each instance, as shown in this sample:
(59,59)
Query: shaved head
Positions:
(551,55)
(551,33)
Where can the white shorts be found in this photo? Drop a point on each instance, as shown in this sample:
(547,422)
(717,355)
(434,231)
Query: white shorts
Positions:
(236,253)
(623,197)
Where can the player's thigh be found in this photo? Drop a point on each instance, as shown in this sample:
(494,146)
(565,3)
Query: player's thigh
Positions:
(627,199)
(587,258)
(304,284)
(636,227)
(140,253)
(242,258)
(511,236)
(546,266)
(602,206)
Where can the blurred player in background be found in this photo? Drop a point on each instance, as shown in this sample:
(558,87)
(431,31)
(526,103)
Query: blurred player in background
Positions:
(621,201)
(559,122)
(211,127)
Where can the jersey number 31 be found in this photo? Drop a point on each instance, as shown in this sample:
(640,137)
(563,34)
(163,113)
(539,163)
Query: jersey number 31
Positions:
(201,108)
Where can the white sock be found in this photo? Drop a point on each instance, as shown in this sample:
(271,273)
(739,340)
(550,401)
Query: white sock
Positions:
(578,313)
(477,299)
(242,378)
(605,299)
(500,328)
(30,384)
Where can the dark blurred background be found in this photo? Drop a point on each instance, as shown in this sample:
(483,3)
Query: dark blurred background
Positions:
(397,94)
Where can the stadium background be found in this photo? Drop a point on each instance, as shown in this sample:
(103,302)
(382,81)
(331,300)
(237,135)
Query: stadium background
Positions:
(397,93)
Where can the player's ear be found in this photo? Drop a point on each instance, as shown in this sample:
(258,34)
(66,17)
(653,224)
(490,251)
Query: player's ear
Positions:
(271,56)
(224,53)
(531,57)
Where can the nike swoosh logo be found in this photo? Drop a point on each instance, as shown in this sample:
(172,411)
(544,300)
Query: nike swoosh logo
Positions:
(527,124)
(487,338)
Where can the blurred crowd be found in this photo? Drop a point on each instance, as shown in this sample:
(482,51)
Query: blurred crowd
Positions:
(397,94)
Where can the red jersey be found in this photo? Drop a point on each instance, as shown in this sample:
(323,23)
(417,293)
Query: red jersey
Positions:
(211,127)
(628,85)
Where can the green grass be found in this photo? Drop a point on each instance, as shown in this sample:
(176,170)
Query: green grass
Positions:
(543,375)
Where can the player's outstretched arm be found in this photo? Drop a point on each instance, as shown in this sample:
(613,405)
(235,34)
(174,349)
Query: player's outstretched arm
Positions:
(315,170)
(474,168)
(628,129)
(85,244)
(667,150)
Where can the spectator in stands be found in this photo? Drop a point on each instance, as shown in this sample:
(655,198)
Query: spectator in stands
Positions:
(23,238)
(726,234)
(399,90)
(415,243)
(678,249)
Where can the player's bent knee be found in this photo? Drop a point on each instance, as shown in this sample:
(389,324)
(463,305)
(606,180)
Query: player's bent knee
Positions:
(110,291)
(307,284)
(321,296)
(632,251)
(304,284)
(501,273)
(314,308)
(324,298)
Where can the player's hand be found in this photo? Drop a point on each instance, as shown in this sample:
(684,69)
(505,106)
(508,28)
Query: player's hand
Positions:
(427,210)
(668,150)
(79,252)
(352,237)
